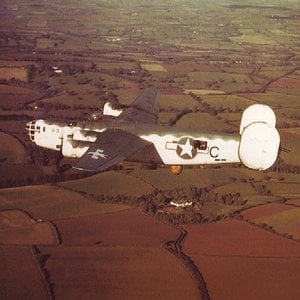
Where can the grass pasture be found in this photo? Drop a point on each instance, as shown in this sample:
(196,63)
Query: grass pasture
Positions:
(233,102)
(285,91)
(275,72)
(212,209)
(228,82)
(253,38)
(165,117)
(223,175)
(110,183)
(154,67)
(284,189)
(46,43)
(292,157)
(52,203)
(200,92)
(190,66)
(284,222)
(244,189)
(273,99)
(163,179)
(177,102)
(204,122)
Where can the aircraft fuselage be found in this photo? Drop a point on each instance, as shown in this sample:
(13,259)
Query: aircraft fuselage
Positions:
(174,145)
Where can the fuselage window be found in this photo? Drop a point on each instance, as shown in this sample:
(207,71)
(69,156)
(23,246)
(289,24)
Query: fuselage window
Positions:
(200,145)
(44,129)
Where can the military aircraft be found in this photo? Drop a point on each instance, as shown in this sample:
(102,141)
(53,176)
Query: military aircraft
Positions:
(135,135)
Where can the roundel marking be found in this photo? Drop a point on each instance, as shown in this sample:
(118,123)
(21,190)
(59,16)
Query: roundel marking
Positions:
(185,148)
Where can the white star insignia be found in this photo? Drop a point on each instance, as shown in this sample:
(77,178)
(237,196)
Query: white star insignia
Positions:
(186,148)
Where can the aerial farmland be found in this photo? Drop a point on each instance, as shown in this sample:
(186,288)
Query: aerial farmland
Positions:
(69,234)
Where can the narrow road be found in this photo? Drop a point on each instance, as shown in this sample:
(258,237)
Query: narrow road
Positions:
(175,247)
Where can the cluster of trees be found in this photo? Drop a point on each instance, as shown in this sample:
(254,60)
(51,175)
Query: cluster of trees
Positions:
(39,178)
(155,202)
(282,167)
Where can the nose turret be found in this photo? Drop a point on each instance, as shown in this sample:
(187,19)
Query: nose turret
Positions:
(32,128)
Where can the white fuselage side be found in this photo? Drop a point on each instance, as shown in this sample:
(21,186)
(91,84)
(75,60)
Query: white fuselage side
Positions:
(182,151)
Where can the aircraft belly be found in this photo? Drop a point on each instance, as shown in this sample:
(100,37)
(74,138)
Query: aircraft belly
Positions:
(184,150)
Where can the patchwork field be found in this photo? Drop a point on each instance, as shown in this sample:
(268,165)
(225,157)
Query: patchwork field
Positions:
(240,261)
(210,60)
(282,218)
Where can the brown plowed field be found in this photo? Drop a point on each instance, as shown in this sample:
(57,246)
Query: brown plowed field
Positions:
(17,228)
(20,277)
(240,261)
(250,278)
(286,82)
(128,228)
(13,96)
(11,150)
(294,202)
(117,273)
(264,210)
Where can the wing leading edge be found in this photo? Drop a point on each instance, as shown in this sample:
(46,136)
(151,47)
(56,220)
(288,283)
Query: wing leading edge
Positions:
(112,146)
(144,109)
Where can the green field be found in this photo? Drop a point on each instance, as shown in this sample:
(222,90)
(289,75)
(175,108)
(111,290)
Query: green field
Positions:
(52,203)
(163,178)
(203,121)
(110,183)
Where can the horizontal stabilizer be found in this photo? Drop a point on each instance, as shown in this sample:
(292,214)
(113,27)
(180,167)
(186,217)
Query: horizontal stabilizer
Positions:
(108,110)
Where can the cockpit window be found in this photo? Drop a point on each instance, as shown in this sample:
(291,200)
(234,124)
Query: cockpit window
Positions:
(200,145)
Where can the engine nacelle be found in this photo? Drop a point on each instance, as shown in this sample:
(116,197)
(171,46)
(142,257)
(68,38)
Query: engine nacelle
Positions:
(74,149)
(257,113)
(259,146)
(108,110)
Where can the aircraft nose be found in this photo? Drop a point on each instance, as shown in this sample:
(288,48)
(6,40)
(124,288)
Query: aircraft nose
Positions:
(30,127)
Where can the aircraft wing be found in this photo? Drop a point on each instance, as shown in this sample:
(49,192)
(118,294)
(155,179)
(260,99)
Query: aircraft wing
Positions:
(144,108)
(111,146)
